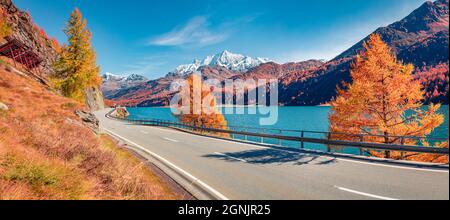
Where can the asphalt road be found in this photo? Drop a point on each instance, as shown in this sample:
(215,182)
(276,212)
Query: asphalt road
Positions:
(234,170)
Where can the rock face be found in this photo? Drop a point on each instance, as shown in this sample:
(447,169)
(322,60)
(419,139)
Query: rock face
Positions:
(24,29)
(120,112)
(94,99)
(89,120)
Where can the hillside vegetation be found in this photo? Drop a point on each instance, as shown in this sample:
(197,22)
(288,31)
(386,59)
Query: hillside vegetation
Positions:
(47,153)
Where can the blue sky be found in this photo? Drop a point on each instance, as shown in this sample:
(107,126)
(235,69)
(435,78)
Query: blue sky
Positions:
(152,37)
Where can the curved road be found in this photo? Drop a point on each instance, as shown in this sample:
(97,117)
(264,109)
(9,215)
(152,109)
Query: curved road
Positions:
(232,170)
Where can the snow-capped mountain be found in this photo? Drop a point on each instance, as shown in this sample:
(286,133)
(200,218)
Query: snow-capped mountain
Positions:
(123,78)
(113,82)
(231,61)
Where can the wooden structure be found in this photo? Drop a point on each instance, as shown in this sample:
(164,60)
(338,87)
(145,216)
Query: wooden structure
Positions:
(22,54)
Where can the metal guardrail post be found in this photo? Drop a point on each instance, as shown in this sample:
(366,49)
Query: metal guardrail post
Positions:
(245,136)
(328,138)
(361,140)
(302,143)
(279,140)
(262,138)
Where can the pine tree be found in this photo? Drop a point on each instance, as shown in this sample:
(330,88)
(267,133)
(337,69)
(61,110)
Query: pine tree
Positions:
(76,70)
(383,99)
(202,118)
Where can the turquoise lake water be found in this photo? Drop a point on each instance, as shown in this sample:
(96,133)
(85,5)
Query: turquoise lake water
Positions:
(312,118)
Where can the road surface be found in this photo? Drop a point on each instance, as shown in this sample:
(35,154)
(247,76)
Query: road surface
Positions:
(232,170)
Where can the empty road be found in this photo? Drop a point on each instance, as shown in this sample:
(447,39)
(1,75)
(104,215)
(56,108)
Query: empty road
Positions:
(231,170)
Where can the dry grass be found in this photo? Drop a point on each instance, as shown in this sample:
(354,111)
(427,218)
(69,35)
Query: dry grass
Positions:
(46,152)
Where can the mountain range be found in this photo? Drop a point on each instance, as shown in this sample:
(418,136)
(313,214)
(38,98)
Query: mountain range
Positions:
(231,61)
(421,38)
(112,82)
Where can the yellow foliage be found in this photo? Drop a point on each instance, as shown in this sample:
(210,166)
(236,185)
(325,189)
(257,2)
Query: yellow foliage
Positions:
(383,99)
(213,119)
(5,29)
(76,70)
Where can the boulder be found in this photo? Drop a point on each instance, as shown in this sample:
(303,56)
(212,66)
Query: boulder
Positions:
(89,120)
(121,112)
(94,99)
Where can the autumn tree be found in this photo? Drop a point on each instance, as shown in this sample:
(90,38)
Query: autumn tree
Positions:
(76,70)
(5,29)
(383,100)
(198,106)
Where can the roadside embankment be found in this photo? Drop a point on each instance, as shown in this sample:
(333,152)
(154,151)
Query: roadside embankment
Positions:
(48,152)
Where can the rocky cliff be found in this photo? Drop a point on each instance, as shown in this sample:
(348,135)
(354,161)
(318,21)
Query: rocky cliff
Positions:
(26,31)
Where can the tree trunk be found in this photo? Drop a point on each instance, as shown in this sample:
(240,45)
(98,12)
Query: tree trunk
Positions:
(387,154)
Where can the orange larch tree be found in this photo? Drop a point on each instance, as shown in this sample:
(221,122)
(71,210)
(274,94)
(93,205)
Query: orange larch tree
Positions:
(383,99)
(207,115)
(5,29)
(76,69)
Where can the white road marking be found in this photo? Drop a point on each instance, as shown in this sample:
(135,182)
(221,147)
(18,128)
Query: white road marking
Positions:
(190,176)
(364,194)
(169,139)
(328,157)
(392,166)
(144,132)
(234,158)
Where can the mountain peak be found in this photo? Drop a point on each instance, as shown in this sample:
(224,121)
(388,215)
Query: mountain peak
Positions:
(227,59)
(429,16)
(226,52)
(129,78)
(424,22)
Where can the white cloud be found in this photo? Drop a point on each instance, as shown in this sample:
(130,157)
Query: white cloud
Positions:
(195,32)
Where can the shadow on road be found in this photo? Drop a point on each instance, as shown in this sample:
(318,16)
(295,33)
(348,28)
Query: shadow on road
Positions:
(270,156)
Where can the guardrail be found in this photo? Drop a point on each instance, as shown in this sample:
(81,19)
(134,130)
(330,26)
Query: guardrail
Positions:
(363,146)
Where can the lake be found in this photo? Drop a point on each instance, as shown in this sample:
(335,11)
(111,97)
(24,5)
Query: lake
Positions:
(314,118)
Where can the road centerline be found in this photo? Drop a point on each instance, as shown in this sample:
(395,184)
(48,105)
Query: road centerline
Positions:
(170,139)
(364,194)
(234,158)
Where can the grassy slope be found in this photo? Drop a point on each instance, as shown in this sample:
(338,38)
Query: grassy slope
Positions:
(46,153)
